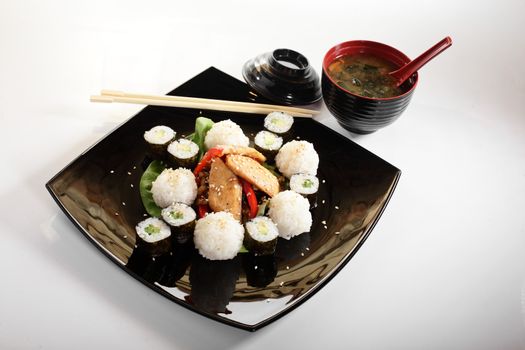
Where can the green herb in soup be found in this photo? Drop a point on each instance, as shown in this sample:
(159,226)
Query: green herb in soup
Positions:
(364,75)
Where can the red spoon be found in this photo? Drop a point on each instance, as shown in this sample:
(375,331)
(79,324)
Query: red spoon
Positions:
(413,66)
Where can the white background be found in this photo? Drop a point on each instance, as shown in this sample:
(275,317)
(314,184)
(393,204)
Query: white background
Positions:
(443,269)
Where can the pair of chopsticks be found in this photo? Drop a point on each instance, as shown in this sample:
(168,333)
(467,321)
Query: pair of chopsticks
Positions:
(110,96)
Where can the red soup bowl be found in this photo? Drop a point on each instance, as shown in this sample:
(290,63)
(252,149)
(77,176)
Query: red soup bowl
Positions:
(360,114)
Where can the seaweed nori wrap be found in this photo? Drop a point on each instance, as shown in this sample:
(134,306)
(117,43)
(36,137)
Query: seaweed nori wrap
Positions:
(181,219)
(260,270)
(213,283)
(157,139)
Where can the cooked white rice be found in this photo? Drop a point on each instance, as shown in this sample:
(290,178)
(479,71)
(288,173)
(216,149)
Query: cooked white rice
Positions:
(290,212)
(225,132)
(297,157)
(278,122)
(262,229)
(153,230)
(178,214)
(174,186)
(183,149)
(159,135)
(218,236)
(304,183)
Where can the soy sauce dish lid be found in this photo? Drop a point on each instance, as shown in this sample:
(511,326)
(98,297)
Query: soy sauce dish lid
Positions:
(283,76)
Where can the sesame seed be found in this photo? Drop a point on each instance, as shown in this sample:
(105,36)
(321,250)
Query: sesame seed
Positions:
(288,267)
(302,254)
(323,201)
(255,267)
(325,227)
(116,214)
(124,203)
(323,222)
(129,173)
(125,237)
(307,248)
(337,232)
(336,207)
(281,284)
(131,185)
(112,171)
(323,181)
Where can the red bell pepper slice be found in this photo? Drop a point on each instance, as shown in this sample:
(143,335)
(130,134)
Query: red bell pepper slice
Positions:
(206,159)
(202,210)
(250,197)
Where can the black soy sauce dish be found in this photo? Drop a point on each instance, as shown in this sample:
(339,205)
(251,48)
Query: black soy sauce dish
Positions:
(283,76)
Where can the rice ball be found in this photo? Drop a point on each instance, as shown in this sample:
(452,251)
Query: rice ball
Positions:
(290,212)
(174,186)
(225,132)
(297,157)
(218,236)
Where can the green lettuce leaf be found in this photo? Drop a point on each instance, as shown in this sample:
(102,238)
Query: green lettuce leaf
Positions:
(202,125)
(154,169)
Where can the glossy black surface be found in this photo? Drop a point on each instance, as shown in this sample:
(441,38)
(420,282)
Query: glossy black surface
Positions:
(99,192)
(283,76)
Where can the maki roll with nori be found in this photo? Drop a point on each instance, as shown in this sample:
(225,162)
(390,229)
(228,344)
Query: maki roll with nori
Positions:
(213,283)
(183,153)
(158,138)
(177,262)
(153,236)
(148,267)
(306,185)
(279,123)
(181,219)
(260,270)
(268,144)
(260,237)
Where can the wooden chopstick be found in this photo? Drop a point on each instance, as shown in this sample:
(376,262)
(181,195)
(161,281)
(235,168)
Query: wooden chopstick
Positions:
(198,103)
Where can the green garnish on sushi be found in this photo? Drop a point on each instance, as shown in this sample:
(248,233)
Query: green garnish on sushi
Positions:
(308,183)
(152,230)
(176,215)
(262,228)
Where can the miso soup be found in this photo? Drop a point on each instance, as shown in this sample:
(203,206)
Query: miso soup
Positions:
(365,75)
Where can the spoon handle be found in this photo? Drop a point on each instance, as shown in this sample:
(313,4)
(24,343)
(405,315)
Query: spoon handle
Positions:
(413,66)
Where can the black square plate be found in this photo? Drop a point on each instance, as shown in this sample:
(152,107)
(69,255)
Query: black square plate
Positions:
(99,192)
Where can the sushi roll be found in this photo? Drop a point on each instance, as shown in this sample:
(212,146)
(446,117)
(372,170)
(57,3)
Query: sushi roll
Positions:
(279,123)
(153,236)
(260,270)
(260,237)
(174,186)
(297,157)
(225,133)
(268,144)
(181,219)
(183,153)
(218,236)
(213,283)
(157,139)
(176,264)
(306,185)
(291,213)
(141,262)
